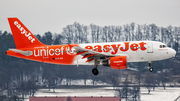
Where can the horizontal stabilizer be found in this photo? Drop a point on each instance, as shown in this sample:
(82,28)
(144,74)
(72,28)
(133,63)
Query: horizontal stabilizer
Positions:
(26,53)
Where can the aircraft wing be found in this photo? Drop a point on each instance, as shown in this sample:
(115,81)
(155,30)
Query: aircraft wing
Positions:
(91,55)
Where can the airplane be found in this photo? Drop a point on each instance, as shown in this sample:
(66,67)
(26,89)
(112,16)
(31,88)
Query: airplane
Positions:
(112,54)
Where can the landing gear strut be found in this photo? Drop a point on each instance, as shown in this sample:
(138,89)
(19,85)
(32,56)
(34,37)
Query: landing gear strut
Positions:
(95,70)
(150,68)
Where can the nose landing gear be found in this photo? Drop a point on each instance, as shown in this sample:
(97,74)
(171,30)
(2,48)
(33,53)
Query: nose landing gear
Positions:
(150,68)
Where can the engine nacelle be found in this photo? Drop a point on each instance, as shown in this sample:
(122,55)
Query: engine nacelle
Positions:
(117,62)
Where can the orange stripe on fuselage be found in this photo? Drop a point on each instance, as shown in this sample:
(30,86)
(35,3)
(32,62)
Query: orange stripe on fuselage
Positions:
(57,54)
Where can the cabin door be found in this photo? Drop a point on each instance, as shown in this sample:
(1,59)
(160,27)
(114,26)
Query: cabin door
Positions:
(149,47)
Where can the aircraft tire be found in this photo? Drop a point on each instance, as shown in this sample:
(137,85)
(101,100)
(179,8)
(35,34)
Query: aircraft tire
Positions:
(151,69)
(95,71)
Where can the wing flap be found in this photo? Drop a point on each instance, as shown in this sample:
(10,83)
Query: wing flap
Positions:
(83,52)
(91,55)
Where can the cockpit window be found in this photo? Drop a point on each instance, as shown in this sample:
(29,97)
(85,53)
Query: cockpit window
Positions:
(162,46)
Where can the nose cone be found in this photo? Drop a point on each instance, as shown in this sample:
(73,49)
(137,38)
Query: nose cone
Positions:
(173,52)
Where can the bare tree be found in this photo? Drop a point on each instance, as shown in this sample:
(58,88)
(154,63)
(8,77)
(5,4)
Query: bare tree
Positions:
(148,81)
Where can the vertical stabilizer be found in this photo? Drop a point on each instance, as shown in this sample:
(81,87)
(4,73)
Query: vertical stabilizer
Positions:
(22,36)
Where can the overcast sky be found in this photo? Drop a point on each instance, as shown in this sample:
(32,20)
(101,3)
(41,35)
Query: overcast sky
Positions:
(40,16)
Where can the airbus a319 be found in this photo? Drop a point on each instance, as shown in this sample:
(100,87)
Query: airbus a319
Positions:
(113,54)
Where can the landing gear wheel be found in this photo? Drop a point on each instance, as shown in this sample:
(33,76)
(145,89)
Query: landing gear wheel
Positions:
(95,71)
(151,69)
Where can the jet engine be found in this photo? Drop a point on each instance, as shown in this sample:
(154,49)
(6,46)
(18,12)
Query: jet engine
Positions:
(117,62)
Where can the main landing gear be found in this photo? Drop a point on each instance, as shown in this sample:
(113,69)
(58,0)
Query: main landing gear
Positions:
(95,71)
(150,68)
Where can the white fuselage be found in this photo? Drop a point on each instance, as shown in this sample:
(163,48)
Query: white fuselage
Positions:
(136,51)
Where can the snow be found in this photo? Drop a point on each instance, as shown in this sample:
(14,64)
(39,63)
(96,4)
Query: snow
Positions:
(160,94)
(87,92)
(81,82)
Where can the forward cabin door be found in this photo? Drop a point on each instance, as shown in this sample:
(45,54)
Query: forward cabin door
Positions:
(149,47)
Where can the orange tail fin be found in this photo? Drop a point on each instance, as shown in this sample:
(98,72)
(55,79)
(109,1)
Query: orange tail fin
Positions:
(22,36)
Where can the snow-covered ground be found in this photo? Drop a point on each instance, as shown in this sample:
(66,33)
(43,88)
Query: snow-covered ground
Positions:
(160,94)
